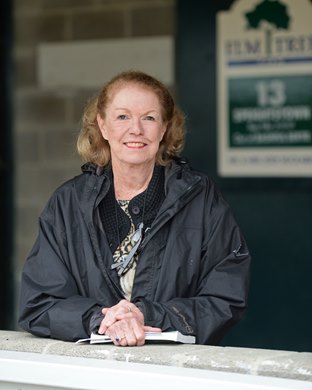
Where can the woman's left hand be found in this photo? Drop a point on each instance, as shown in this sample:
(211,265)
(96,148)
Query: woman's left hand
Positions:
(124,324)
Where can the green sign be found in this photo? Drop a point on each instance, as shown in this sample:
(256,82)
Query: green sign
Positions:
(270,111)
(264,89)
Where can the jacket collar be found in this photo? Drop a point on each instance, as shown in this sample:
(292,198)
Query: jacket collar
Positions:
(181,183)
(93,169)
(142,208)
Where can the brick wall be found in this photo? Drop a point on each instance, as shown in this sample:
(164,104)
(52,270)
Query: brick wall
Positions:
(46,119)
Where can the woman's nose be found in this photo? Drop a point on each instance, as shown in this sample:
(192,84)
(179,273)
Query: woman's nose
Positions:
(136,127)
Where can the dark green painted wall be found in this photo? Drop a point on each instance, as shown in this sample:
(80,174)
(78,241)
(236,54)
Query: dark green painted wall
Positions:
(6,170)
(275,214)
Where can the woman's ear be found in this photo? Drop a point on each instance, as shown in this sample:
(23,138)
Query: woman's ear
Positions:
(101,124)
(162,133)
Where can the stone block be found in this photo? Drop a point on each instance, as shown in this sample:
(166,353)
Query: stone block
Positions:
(40,108)
(31,29)
(28,187)
(28,4)
(79,103)
(44,5)
(35,185)
(59,145)
(27,223)
(153,21)
(27,147)
(96,25)
(66,4)
(25,71)
(106,57)
(127,2)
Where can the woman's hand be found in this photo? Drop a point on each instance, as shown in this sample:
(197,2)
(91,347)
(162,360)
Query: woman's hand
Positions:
(124,324)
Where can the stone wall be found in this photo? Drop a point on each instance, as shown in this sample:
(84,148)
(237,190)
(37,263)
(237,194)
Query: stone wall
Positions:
(296,366)
(47,110)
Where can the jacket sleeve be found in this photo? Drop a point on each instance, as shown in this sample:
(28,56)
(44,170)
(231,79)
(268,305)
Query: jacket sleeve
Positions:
(222,288)
(51,304)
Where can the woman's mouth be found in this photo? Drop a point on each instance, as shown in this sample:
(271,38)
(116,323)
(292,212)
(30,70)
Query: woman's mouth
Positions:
(134,144)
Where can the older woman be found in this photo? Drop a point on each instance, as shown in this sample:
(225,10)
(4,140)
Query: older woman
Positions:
(138,242)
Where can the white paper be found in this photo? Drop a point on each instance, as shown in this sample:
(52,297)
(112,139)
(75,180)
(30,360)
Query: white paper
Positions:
(173,336)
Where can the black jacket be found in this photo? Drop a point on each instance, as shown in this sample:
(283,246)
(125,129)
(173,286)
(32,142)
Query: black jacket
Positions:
(192,274)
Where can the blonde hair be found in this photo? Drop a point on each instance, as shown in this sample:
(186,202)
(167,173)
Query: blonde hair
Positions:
(91,145)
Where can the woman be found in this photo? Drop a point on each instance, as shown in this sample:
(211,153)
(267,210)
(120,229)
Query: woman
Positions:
(138,242)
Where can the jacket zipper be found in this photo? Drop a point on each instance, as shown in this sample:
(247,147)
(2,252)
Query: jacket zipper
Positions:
(150,232)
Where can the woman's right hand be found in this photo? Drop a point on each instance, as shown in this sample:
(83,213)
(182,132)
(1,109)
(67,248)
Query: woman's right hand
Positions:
(124,324)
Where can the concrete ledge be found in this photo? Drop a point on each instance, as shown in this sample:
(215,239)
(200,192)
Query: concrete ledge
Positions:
(269,363)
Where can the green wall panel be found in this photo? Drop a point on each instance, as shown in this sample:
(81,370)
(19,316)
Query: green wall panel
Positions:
(275,214)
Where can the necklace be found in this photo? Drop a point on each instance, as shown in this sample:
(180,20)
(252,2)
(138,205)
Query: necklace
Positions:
(124,263)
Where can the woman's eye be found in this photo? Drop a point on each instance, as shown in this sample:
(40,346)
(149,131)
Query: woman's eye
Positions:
(149,118)
(122,116)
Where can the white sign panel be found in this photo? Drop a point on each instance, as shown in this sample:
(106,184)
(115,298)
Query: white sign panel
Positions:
(264,64)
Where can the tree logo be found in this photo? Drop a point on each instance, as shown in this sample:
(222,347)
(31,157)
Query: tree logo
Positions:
(270,15)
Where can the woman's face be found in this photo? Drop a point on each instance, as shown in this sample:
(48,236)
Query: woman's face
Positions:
(133,125)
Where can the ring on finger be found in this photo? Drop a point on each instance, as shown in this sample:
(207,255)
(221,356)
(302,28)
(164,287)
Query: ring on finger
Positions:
(120,338)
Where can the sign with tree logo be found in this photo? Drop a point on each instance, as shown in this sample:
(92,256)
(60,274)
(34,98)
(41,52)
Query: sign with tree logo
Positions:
(264,64)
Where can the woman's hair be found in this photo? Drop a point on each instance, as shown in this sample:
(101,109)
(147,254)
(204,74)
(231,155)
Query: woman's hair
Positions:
(91,145)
